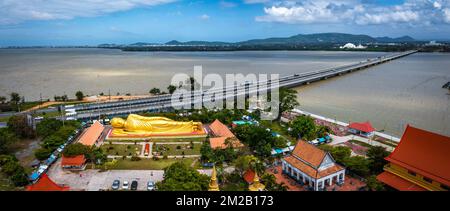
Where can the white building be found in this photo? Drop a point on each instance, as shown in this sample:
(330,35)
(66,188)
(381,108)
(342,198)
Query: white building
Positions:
(312,166)
(352,46)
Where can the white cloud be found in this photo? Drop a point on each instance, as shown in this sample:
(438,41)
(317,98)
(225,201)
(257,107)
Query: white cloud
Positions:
(447,15)
(204,17)
(16,11)
(357,12)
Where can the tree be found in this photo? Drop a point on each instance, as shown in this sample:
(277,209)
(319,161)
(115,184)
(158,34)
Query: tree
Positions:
(271,183)
(257,138)
(171,89)
(288,100)
(6,138)
(303,127)
(155,91)
(79,95)
(2,99)
(376,155)
(206,152)
(373,184)
(341,153)
(19,125)
(42,153)
(76,149)
(244,163)
(358,165)
(48,126)
(15,98)
(181,177)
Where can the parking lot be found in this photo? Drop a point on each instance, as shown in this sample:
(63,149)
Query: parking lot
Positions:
(94,180)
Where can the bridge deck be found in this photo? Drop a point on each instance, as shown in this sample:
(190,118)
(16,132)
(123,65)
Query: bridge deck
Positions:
(94,110)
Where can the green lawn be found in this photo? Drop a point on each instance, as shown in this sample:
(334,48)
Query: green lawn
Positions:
(148,164)
(172,149)
(121,149)
(4,119)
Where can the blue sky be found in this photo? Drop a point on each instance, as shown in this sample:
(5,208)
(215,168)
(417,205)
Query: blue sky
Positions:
(91,22)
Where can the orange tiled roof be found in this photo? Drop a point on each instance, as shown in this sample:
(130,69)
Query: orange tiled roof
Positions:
(309,153)
(307,158)
(219,142)
(219,129)
(398,182)
(46,184)
(73,161)
(91,135)
(424,153)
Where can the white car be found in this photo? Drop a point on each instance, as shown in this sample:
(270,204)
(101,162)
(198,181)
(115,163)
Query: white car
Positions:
(125,185)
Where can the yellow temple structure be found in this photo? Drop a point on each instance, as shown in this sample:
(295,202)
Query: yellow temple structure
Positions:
(256,185)
(136,126)
(213,184)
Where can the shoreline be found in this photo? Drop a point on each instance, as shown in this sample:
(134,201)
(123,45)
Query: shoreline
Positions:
(344,124)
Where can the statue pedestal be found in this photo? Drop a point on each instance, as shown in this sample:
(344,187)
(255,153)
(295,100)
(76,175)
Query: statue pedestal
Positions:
(119,135)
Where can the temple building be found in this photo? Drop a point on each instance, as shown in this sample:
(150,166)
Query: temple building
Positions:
(312,166)
(419,163)
(92,135)
(76,163)
(213,184)
(364,129)
(46,184)
(222,137)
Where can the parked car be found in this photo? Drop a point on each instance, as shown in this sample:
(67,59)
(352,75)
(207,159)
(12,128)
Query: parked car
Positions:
(151,186)
(134,185)
(115,185)
(125,185)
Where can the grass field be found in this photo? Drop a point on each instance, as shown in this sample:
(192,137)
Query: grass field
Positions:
(122,149)
(172,149)
(148,164)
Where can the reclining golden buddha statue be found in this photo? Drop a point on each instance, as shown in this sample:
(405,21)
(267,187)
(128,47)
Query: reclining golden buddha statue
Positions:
(139,125)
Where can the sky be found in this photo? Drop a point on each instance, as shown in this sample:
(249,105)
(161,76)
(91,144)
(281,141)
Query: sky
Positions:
(92,22)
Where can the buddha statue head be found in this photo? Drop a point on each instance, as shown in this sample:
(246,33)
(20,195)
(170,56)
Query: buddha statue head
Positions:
(118,123)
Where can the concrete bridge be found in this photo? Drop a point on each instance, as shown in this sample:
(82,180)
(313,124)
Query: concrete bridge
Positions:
(157,103)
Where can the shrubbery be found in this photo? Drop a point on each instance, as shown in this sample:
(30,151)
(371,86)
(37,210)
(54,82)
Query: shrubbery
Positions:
(11,167)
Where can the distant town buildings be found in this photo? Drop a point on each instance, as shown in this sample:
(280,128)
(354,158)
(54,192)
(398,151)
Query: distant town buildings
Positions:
(420,162)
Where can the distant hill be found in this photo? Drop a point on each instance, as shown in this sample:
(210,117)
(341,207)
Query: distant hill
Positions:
(300,39)
(395,40)
(314,39)
(322,38)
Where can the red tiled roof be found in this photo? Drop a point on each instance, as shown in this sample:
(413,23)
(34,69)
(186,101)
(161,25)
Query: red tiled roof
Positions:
(73,161)
(91,135)
(398,182)
(363,126)
(249,176)
(309,153)
(46,184)
(424,153)
(220,142)
(219,129)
